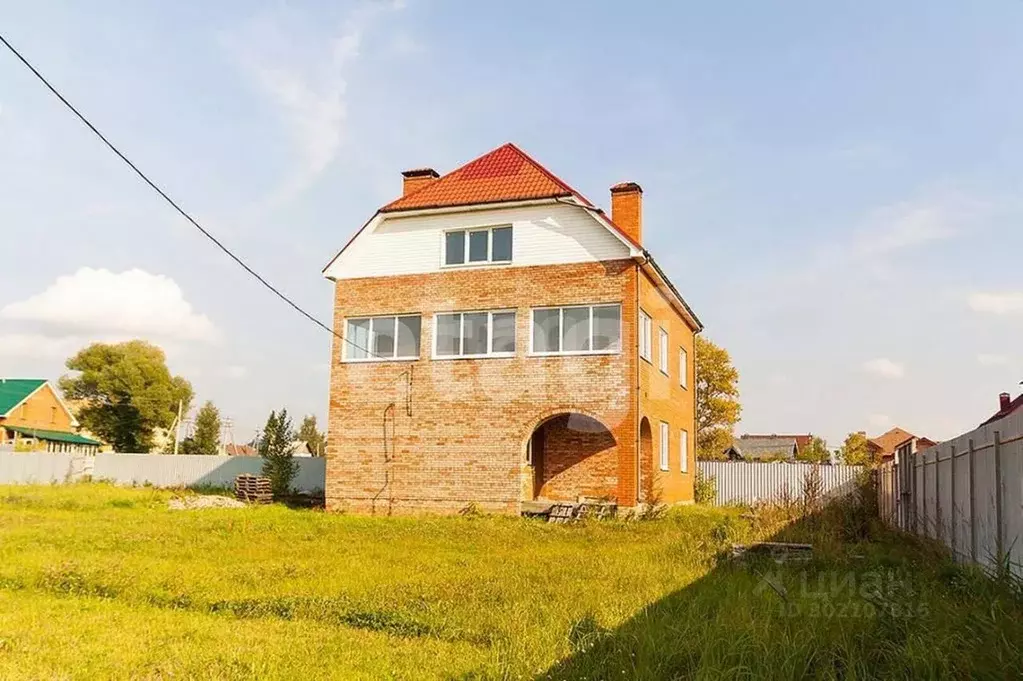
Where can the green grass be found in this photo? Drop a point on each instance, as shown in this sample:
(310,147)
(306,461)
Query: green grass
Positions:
(104,582)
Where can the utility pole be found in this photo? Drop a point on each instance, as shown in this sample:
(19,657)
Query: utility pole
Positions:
(177,428)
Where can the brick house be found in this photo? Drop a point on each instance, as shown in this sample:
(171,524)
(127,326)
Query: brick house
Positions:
(505,341)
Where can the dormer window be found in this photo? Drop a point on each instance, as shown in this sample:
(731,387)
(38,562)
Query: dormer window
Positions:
(478,246)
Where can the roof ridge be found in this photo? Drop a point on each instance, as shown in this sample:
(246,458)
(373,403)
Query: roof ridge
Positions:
(532,162)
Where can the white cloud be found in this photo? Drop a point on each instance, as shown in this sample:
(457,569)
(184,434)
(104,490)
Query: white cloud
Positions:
(913,223)
(36,346)
(884,367)
(1004,303)
(992,360)
(305,82)
(98,301)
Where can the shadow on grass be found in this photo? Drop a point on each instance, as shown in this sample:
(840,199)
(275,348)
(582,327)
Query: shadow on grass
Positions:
(869,603)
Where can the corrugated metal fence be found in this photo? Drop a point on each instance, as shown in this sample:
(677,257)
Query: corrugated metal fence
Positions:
(740,482)
(966,493)
(158,470)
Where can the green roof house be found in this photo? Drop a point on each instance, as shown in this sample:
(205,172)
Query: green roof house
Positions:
(34,415)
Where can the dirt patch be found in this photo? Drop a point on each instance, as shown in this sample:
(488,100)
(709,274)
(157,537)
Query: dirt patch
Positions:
(203,501)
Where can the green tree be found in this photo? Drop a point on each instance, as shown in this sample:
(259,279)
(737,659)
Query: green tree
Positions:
(816,451)
(275,447)
(310,434)
(717,399)
(206,437)
(125,391)
(856,451)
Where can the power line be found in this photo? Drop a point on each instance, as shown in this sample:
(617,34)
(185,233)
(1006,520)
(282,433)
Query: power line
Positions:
(174,204)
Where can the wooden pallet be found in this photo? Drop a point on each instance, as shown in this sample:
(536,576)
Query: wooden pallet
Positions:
(599,510)
(253,489)
(561,513)
(568,512)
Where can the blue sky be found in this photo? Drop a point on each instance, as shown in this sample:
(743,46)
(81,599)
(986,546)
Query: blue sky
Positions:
(834,187)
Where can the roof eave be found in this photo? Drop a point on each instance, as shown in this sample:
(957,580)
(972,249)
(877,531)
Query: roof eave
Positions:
(683,306)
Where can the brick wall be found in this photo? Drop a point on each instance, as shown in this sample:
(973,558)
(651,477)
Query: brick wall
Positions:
(471,418)
(578,457)
(663,399)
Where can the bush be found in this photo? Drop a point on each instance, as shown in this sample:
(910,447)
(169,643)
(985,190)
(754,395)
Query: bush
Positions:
(705,488)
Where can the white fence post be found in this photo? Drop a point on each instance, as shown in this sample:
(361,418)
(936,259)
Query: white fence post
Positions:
(999,497)
(973,504)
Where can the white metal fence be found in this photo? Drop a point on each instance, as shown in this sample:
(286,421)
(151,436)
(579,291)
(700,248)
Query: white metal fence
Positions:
(966,493)
(158,470)
(743,482)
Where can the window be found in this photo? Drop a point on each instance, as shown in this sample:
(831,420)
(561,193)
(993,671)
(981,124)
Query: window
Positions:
(474,334)
(382,338)
(577,330)
(478,246)
(683,368)
(683,450)
(645,327)
(53,414)
(664,446)
(662,352)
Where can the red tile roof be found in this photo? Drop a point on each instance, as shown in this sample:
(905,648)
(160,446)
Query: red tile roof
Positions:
(504,174)
(1009,408)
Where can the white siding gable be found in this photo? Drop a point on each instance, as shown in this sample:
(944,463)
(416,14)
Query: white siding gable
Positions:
(548,234)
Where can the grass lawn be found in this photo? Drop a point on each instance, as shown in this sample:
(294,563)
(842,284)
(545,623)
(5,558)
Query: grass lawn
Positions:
(103,582)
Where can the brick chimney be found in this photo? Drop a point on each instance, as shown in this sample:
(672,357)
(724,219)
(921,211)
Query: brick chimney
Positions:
(627,209)
(1003,401)
(417,178)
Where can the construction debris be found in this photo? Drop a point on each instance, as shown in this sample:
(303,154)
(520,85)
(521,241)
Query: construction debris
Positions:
(203,501)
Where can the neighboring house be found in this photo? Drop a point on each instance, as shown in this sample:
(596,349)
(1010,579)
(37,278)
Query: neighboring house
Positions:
(32,415)
(505,342)
(240,450)
(1006,406)
(802,441)
(764,448)
(887,444)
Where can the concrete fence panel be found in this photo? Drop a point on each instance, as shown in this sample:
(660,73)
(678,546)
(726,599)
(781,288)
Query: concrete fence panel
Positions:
(966,493)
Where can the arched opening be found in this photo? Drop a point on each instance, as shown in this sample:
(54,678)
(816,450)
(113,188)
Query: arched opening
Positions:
(568,456)
(646,460)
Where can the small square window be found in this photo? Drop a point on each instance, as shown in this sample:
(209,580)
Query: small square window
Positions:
(502,246)
(576,330)
(474,333)
(478,246)
(503,332)
(662,351)
(645,342)
(664,446)
(449,335)
(454,248)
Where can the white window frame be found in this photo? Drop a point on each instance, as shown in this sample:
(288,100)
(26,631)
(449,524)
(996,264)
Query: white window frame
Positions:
(489,229)
(646,350)
(348,342)
(490,334)
(683,448)
(561,327)
(664,444)
(683,368)
(662,350)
